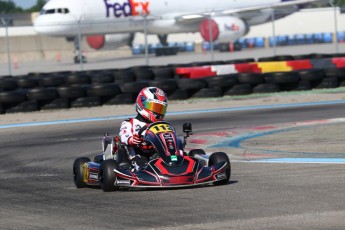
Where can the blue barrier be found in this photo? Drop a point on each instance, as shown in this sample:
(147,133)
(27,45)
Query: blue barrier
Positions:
(182,47)
(259,42)
(328,37)
(341,37)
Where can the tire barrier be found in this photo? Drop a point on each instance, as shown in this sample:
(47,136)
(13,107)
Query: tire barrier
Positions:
(68,89)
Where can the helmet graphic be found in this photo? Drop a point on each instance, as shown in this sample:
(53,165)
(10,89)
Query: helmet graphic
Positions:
(152,104)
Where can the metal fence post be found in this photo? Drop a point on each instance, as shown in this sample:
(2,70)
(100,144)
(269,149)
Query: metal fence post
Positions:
(8,50)
(211,37)
(146,43)
(274,33)
(80,47)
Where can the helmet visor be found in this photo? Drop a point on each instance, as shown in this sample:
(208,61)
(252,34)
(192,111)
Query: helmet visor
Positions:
(155,107)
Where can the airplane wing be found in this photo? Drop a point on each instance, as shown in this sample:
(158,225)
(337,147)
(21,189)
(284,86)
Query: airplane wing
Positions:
(242,12)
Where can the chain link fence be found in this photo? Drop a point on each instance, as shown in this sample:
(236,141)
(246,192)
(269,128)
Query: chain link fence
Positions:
(23,51)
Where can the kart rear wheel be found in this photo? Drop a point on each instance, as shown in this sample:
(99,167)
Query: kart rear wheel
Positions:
(107,175)
(221,157)
(78,171)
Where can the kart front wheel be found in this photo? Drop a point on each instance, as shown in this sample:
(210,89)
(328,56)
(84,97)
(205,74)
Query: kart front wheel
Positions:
(107,175)
(78,171)
(218,157)
(194,152)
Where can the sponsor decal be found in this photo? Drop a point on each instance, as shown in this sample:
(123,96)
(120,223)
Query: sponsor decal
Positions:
(173,158)
(137,128)
(160,93)
(232,27)
(93,176)
(123,182)
(120,8)
(221,176)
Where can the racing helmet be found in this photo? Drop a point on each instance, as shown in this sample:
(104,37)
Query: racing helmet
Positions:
(152,104)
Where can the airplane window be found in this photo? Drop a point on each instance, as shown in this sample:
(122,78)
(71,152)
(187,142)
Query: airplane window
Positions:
(51,11)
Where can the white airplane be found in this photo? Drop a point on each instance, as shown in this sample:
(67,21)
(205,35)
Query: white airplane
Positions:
(114,22)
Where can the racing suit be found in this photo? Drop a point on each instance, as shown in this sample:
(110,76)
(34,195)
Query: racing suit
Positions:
(130,128)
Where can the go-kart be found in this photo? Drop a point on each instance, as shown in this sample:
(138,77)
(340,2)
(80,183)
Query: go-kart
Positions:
(167,164)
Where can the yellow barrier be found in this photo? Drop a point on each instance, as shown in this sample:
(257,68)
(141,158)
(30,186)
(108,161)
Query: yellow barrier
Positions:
(276,66)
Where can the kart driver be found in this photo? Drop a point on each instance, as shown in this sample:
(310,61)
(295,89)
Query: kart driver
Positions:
(151,106)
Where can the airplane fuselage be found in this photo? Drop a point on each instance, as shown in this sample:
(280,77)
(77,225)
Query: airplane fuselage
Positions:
(68,18)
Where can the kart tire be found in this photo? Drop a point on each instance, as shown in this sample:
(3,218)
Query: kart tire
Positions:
(163,73)
(240,89)
(133,87)
(26,106)
(107,176)
(8,84)
(191,83)
(194,152)
(224,82)
(103,90)
(102,77)
(144,75)
(311,74)
(52,81)
(12,97)
(42,94)
(124,77)
(77,79)
(2,111)
(78,171)
(208,92)
(27,83)
(178,94)
(282,77)
(219,157)
(167,86)
(71,92)
(250,78)
(328,83)
(59,103)
(266,88)
(122,98)
(86,102)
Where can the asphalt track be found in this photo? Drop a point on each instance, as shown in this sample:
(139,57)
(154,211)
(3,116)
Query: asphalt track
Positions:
(37,190)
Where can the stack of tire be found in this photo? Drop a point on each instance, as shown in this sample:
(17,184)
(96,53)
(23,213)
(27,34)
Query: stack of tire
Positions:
(62,90)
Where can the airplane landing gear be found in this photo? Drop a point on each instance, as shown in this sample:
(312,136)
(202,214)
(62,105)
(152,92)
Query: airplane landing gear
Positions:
(79,57)
(163,39)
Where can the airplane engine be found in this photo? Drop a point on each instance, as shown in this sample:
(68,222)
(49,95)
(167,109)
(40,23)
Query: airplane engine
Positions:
(109,41)
(223,29)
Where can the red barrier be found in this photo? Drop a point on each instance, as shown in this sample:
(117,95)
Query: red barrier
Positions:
(247,68)
(339,62)
(300,64)
(195,72)
(206,71)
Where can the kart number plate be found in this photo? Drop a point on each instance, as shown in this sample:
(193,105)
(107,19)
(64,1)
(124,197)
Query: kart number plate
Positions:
(161,128)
